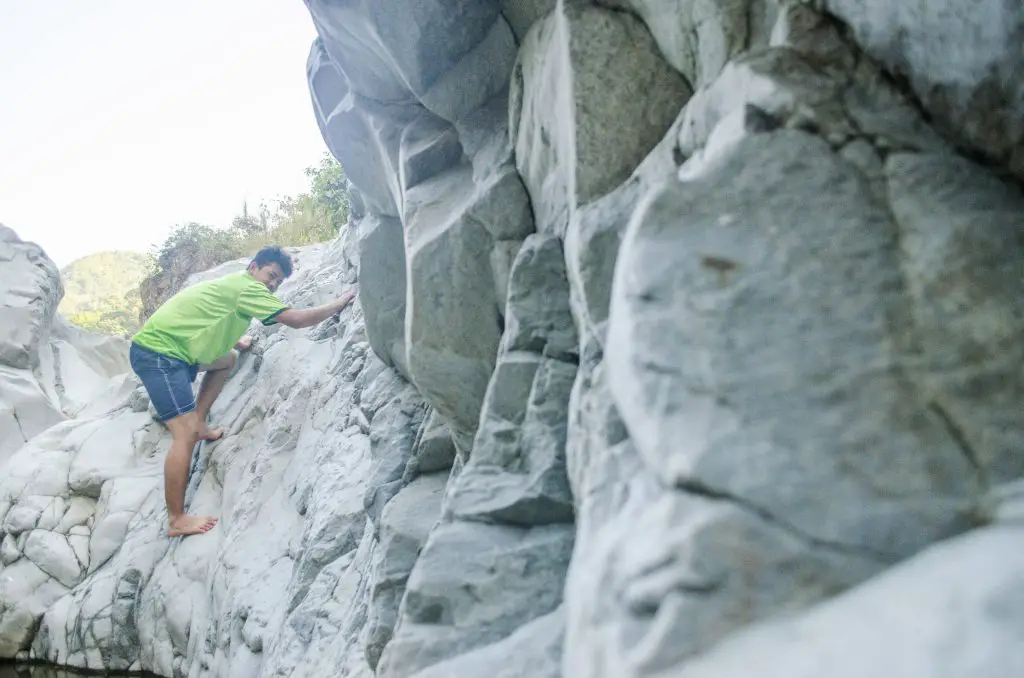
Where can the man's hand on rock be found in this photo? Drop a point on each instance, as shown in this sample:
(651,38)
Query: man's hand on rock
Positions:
(244,344)
(344,300)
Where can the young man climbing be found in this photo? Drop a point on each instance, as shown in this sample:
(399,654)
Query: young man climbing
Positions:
(195,331)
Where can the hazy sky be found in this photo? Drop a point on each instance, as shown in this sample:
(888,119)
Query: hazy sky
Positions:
(121,118)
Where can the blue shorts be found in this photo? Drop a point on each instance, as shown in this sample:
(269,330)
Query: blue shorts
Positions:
(167,380)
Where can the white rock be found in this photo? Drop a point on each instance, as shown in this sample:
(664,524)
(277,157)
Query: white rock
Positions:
(29,294)
(52,514)
(52,554)
(108,452)
(26,592)
(9,551)
(79,510)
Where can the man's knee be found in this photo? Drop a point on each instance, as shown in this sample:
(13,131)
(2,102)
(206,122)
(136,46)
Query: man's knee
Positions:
(185,428)
(225,362)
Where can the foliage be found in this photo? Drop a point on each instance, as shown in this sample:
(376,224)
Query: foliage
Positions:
(202,246)
(112,292)
(314,216)
(101,291)
(329,190)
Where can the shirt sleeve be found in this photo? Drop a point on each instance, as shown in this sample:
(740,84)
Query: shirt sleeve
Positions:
(256,301)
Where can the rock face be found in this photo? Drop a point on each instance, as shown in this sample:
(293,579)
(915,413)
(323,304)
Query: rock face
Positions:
(688,341)
(49,369)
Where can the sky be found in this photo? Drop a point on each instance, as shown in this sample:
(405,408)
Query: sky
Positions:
(122,118)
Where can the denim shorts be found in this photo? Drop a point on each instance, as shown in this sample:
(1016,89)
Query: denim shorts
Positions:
(167,380)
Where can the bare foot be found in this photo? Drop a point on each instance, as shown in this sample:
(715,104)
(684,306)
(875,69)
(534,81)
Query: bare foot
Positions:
(211,433)
(186,525)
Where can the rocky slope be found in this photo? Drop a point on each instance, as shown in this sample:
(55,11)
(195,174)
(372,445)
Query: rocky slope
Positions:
(688,344)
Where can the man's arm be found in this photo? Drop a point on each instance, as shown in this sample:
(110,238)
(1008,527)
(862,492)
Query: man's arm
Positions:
(307,317)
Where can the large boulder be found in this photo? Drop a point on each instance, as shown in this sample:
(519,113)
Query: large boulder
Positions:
(50,370)
(31,290)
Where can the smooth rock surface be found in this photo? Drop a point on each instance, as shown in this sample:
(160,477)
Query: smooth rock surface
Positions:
(962,599)
(32,289)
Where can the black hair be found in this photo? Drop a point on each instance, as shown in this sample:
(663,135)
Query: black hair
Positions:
(274,255)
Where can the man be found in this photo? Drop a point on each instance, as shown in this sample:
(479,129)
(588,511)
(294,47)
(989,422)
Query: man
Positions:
(195,331)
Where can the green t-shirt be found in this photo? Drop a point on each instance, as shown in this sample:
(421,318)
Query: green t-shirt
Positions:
(201,323)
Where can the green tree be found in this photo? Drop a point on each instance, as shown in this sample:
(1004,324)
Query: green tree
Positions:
(316,215)
(252,225)
(199,243)
(329,188)
(101,291)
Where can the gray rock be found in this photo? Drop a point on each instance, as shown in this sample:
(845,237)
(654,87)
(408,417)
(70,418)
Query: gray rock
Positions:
(473,585)
(699,38)
(739,333)
(571,147)
(452,323)
(962,63)
(962,598)
(483,135)
(538,317)
(595,233)
(406,522)
(963,271)
(535,650)
(522,14)
(434,449)
(382,287)
(367,143)
(26,592)
(429,146)
(392,437)
(697,569)
(503,256)
(449,55)
(591,247)
(516,474)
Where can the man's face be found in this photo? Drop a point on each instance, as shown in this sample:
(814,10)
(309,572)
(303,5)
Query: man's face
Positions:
(270,275)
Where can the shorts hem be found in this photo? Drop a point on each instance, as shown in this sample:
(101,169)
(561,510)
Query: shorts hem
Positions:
(164,418)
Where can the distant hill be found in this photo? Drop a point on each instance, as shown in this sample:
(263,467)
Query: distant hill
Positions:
(101,291)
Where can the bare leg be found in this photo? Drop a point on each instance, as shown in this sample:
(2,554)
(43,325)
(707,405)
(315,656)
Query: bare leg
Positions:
(184,438)
(216,376)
